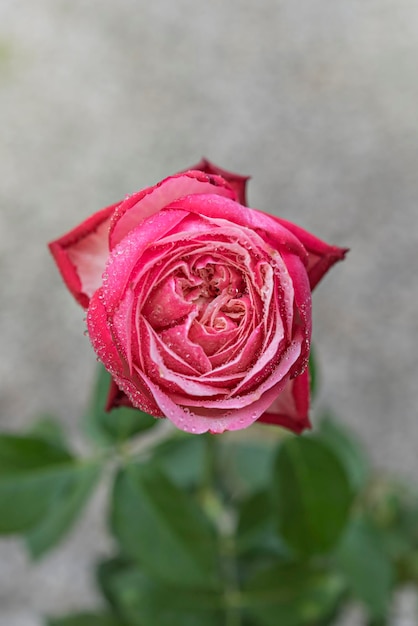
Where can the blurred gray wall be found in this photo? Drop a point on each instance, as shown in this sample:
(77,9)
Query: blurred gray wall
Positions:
(316,100)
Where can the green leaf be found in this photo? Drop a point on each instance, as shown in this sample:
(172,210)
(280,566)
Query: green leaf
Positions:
(116,426)
(247,467)
(143,601)
(64,509)
(313,373)
(292,595)
(163,528)
(49,428)
(394,511)
(361,557)
(20,454)
(86,619)
(348,450)
(183,459)
(256,528)
(32,472)
(107,571)
(313,495)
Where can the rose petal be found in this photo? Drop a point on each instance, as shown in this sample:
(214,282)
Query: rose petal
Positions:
(290,408)
(81,254)
(164,306)
(150,201)
(177,339)
(218,207)
(215,421)
(322,256)
(173,382)
(237,182)
(303,302)
(116,398)
(106,348)
(212,339)
(123,259)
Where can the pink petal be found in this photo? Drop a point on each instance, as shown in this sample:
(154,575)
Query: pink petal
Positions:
(218,207)
(211,339)
(322,256)
(303,302)
(240,399)
(81,254)
(124,258)
(108,352)
(237,359)
(165,305)
(215,421)
(116,397)
(237,182)
(177,339)
(171,381)
(135,209)
(290,408)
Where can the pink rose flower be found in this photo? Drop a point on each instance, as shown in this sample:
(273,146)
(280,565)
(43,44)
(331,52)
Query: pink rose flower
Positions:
(199,306)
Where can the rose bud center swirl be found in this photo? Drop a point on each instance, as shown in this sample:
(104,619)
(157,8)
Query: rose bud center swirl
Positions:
(204,310)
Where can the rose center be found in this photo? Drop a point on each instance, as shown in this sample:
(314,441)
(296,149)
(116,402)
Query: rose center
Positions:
(215,290)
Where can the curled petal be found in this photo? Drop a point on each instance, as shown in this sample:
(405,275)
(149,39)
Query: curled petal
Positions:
(201,420)
(302,301)
(321,256)
(228,210)
(237,181)
(81,255)
(123,259)
(291,407)
(116,398)
(113,359)
(142,205)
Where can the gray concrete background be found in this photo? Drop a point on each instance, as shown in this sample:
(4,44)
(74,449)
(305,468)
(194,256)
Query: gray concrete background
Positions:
(316,100)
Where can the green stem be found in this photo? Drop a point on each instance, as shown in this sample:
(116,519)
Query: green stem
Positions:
(221,513)
(232,592)
(377,622)
(211,462)
(209,496)
(145,442)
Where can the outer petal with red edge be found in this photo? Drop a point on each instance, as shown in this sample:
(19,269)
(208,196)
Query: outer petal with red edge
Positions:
(290,409)
(81,254)
(148,202)
(117,398)
(226,209)
(113,359)
(322,256)
(237,182)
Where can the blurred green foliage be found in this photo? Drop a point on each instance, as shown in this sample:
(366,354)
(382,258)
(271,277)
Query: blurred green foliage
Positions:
(259,528)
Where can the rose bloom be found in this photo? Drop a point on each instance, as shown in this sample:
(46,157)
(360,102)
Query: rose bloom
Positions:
(199,306)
